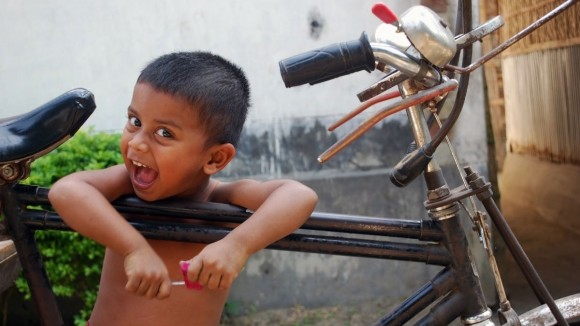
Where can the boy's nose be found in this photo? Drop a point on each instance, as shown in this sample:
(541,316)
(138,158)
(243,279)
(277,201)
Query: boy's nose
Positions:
(138,143)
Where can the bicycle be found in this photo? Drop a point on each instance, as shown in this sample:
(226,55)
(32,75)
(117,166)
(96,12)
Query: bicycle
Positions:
(454,292)
(415,51)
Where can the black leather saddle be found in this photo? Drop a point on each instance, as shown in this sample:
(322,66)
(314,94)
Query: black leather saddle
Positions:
(33,134)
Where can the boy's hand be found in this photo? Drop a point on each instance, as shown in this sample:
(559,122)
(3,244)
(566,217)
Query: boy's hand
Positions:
(217,265)
(146,274)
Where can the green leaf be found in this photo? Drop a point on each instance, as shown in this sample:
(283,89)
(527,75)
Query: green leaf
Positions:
(73,263)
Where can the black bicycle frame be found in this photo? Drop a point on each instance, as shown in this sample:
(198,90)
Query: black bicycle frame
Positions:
(351,235)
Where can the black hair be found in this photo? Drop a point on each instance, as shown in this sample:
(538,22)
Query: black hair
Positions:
(215,87)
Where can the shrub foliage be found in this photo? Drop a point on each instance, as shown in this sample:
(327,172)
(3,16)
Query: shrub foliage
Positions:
(73,262)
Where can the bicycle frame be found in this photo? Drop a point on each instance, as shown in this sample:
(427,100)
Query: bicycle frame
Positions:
(431,246)
(144,216)
(439,242)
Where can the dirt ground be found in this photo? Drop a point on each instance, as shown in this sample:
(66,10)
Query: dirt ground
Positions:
(541,204)
(361,314)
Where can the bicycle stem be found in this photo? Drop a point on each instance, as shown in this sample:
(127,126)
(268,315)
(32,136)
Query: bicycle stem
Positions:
(417,120)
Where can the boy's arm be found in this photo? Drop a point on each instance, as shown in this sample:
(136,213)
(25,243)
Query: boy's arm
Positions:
(83,201)
(280,207)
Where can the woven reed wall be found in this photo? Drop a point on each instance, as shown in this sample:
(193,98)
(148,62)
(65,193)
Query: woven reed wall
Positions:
(542,98)
(541,76)
(562,31)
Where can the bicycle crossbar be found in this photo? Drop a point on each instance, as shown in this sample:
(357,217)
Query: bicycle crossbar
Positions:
(424,230)
(305,241)
(349,235)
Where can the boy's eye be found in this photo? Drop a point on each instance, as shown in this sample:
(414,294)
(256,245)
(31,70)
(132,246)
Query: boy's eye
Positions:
(134,121)
(164,133)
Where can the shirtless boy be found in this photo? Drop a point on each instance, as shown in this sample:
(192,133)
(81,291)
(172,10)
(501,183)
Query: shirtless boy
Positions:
(183,123)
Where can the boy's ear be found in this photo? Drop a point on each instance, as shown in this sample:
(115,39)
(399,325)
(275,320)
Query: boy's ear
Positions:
(220,156)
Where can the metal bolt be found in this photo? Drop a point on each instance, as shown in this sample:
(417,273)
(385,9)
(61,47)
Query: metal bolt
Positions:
(433,195)
(10,172)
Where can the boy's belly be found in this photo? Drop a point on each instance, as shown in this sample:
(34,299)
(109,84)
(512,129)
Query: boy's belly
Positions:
(116,306)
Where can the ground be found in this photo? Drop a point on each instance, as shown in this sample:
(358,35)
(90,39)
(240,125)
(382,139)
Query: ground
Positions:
(361,314)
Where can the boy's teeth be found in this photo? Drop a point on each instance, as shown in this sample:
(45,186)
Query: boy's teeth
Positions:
(139,164)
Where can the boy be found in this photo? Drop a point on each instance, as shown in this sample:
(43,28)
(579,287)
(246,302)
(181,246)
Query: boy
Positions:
(184,120)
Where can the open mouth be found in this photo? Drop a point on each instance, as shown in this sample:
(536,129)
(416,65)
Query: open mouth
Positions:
(143,176)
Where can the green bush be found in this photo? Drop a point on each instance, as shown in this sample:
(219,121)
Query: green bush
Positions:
(72,262)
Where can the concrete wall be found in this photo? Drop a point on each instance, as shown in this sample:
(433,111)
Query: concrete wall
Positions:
(50,47)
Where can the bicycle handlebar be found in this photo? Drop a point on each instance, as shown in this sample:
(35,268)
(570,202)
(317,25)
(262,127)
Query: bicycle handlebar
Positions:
(329,62)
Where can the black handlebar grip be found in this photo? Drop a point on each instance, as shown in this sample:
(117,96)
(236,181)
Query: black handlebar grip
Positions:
(329,62)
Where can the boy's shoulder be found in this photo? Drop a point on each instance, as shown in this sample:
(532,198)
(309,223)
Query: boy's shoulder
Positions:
(113,181)
(225,191)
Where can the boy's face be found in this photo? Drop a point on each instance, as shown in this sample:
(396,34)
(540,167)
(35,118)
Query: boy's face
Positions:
(163,146)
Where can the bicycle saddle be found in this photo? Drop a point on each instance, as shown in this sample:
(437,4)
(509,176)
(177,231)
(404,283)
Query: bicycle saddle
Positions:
(28,136)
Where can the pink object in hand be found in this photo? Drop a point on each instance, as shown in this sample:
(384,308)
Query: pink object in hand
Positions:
(189,284)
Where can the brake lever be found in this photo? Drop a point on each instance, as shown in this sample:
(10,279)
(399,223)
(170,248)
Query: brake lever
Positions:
(365,105)
(479,32)
(405,103)
(388,82)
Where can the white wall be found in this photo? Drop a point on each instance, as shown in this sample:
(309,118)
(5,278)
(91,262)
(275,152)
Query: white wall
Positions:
(49,47)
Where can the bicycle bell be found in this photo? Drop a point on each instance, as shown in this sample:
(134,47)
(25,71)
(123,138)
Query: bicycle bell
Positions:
(391,35)
(428,34)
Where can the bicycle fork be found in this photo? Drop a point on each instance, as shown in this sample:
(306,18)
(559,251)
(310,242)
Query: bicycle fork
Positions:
(443,208)
(467,294)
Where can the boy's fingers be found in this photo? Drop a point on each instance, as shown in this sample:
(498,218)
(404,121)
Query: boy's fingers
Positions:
(144,288)
(195,269)
(164,290)
(132,285)
(204,277)
(226,282)
(152,291)
(214,282)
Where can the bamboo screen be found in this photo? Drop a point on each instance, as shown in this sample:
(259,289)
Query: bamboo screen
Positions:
(541,86)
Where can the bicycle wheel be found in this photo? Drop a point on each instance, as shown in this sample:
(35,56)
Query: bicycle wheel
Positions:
(569,306)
